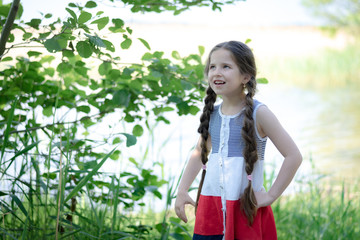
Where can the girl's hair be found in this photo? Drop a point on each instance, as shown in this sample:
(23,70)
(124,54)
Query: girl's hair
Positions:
(245,60)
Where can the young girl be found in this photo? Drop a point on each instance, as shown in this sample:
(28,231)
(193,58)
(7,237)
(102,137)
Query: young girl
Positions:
(232,202)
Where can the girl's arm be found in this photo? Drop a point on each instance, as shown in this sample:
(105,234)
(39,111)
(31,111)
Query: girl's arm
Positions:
(268,125)
(191,171)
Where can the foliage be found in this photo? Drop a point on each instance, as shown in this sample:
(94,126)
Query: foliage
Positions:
(337,13)
(58,93)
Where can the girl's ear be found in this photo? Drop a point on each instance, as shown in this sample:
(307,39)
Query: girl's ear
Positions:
(246,78)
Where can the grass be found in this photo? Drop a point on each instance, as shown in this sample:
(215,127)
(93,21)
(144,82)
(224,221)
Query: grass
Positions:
(322,210)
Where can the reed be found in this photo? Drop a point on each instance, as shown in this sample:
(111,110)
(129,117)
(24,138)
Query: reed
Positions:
(325,209)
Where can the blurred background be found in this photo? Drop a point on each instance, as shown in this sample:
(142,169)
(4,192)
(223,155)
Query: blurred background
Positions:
(308,50)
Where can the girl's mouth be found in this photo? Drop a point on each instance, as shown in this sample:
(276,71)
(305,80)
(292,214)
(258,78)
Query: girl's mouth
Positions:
(219,82)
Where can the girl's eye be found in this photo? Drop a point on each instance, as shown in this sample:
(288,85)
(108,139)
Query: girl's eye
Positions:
(211,67)
(226,66)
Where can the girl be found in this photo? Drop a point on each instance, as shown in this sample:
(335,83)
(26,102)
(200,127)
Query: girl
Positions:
(231,202)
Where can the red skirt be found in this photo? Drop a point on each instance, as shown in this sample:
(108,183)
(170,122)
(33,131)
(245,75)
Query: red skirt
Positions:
(209,222)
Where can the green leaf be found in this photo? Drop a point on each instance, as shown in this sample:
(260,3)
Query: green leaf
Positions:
(53,45)
(109,45)
(130,139)
(49,71)
(88,177)
(3,194)
(119,23)
(44,35)
(82,71)
(137,130)
(96,40)
(84,108)
(35,23)
(201,50)
(51,176)
(262,80)
(176,55)
(4,10)
(20,11)
(101,22)
(194,110)
(115,155)
(33,53)
(126,43)
(68,53)
(104,68)
(132,160)
(116,140)
(247,41)
(84,49)
(6,59)
(27,35)
(121,98)
(47,59)
(86,121)
(136,84)
(90,4)
(11,38)
(64,67)
(48,111)
(72,13)
(84,17)
(129,30)
(147,56)
(19,203)
(146,44)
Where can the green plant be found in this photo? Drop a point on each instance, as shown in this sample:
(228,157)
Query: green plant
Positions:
(52,99)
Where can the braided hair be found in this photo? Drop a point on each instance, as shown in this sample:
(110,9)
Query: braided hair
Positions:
(245,60)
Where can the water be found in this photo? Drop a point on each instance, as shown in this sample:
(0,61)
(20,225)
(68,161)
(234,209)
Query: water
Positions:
(324,125)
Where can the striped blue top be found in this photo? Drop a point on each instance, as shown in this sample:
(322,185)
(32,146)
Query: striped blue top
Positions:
(235,141)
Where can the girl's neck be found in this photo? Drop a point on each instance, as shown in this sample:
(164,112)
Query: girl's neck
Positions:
(231,106)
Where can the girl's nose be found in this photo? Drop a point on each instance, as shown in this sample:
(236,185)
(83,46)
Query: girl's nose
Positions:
(217,72)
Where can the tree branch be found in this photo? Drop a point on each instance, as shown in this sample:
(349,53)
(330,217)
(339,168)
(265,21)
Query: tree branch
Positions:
(8,26)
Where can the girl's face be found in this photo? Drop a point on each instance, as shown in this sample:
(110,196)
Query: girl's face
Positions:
(224,75)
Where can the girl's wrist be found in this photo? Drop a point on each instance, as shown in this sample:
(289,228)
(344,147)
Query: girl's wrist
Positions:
(182,191)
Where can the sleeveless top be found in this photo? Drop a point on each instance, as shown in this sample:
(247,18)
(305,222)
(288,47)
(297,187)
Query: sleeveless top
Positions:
(226,174)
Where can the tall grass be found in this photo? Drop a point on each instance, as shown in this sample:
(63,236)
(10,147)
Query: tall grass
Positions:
(325,209)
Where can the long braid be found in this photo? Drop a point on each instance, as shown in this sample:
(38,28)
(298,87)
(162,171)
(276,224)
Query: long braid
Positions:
(204,131)
(248,200)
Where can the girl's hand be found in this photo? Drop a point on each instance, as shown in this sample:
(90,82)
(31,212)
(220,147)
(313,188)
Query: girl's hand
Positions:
(263,198)
(182,199)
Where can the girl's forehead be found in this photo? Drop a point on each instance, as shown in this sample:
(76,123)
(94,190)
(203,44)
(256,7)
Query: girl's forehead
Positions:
(221,54)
